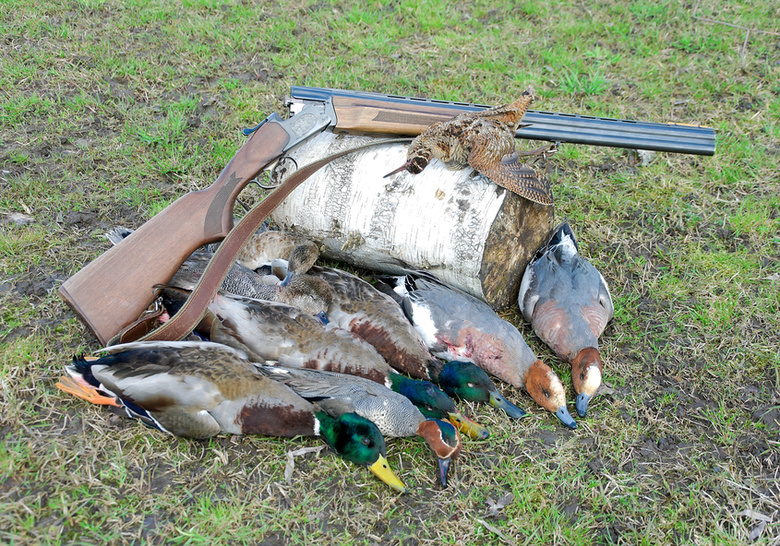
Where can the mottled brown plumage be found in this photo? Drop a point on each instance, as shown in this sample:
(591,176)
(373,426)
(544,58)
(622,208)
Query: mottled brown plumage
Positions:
(309,294)
(263,247)
(485,141)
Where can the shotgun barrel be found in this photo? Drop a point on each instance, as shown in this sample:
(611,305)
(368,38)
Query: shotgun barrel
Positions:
(550,126)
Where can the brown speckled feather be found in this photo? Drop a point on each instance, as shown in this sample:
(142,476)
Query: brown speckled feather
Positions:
(377,319)
(485,141)
(261,248)
(508,172)
(278,332)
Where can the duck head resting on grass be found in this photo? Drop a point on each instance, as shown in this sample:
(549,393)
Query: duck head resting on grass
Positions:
(568,304)
(394,414)
(201,389)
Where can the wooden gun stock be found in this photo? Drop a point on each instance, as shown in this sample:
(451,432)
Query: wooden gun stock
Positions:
(117,287)
(361,115)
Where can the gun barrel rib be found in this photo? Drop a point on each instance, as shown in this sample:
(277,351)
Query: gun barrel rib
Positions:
(558,127)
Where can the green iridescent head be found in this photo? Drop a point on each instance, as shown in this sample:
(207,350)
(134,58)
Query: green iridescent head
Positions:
(466,381)
(353,437)
(429,399)
(433,403)
(358,440)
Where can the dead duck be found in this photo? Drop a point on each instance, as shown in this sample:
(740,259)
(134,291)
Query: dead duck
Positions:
(201,389)
(458,327)
(393,413)
(373,316)
(276,332)
(310,294)
(376,317)
(568,304)
(307,293)
(265,247)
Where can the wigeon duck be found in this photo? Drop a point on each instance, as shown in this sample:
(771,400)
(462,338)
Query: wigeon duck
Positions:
(309,294)
(568,304)
(458,327)
(264,247)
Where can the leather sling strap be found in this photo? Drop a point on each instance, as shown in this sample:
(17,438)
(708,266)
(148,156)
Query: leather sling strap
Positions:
(191,313)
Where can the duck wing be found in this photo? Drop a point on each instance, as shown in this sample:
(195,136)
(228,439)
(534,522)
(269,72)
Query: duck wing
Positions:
(393,413)
(279,332)
(376,318)
(198,389)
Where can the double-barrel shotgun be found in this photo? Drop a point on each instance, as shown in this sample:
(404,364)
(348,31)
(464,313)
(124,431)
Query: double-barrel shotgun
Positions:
(112,291)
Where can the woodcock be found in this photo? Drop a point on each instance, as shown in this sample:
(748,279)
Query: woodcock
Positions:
(485,141)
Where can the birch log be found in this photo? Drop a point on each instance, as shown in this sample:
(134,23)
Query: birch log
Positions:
(459,225)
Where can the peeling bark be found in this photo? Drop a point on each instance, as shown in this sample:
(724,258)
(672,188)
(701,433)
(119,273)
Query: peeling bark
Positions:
(457,224)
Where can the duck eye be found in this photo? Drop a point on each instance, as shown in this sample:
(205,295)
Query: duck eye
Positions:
(429,408)
(546,393)
(470,385)
(366,441)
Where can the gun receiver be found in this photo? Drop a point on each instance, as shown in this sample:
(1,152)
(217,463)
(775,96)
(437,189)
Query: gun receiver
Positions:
(111,292)
(361,112)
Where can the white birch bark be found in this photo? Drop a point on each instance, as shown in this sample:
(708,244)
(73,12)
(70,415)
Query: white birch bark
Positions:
(439,220)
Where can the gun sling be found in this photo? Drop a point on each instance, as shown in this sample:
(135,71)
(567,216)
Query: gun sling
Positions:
(191,313)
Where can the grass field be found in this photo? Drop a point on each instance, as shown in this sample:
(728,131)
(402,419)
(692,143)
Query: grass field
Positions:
(110,109)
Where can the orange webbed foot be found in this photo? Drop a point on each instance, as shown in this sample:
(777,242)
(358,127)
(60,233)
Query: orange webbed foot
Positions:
(85,391)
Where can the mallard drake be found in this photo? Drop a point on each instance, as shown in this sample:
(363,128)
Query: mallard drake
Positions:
(199,389)
(376,317)
(568,304)
(459,327)
(394,414)
(277,332)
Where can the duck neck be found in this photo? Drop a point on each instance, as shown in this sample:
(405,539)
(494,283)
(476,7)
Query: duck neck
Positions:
(435,368)
(397,382)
